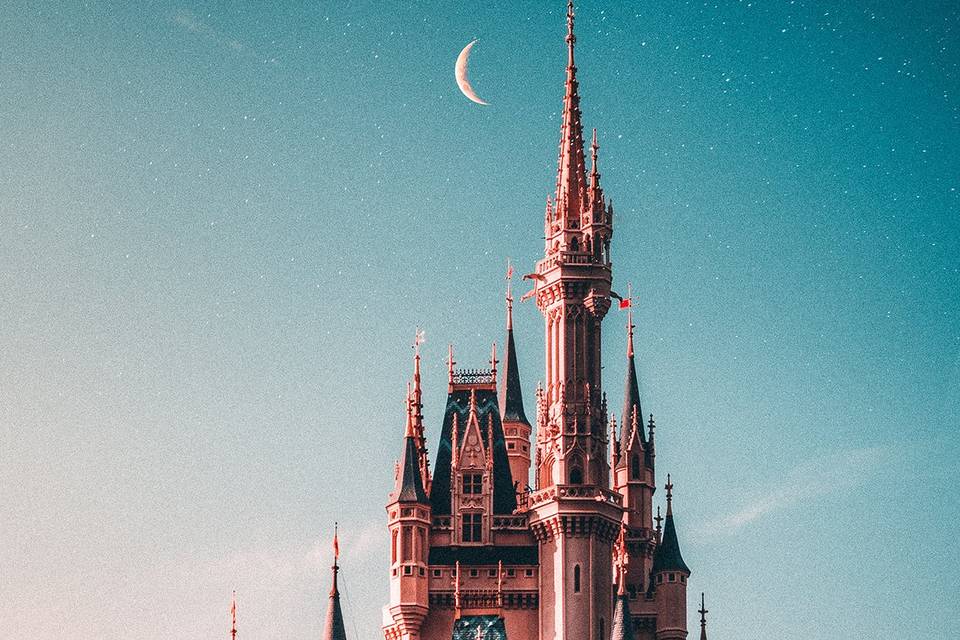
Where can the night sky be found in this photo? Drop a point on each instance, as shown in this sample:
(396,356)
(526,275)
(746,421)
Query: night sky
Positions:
(221,224)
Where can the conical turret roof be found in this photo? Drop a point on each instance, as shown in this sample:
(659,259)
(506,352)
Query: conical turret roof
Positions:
(512,391)
(667,556)
(410,479)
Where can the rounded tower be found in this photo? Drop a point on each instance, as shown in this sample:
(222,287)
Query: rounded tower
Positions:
(670,575)
(408,512)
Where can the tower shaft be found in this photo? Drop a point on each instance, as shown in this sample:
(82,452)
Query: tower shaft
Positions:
(573,513)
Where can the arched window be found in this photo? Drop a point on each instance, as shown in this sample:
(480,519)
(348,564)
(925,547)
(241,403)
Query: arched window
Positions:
(393,548)
(635,467)
(574,244)
(406,546)
(576,470)
(576,578)
(546,473)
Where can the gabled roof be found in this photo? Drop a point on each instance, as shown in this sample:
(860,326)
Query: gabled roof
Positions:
(458,404)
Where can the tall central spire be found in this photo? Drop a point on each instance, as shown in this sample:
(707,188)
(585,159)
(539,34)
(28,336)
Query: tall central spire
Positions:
(571,173)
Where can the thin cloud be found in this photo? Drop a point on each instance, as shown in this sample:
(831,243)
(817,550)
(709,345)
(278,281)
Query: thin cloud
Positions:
(194,24)
(805,483)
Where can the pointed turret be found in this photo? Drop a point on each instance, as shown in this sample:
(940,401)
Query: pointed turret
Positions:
(516,427)
(631,390)
(333,628)
(409,486)
(408,513)
(512,410)
(571,174)
(670,574)
(416,415)
(667,556)
(634,478)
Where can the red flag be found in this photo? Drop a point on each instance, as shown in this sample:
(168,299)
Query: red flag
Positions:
(626,303)
(509,270)
(336,545)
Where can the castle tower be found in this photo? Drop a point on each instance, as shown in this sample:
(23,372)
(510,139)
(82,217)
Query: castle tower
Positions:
(516,427)
(408,513)
(670,574)
(333,628)
(475,553)
(634,475)
(573,513)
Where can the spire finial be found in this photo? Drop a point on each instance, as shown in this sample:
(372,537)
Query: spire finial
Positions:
(456,588)
(571,191)
(336,544)
(630,326)
(408,428)
(594,148)
(450,363)
(703,618)
(494,362)
(473,404)
(620,559)
(416,395)
(334,591)
(669,489)
(419,337)
(659,520)
(500,583)
(509,279)
(333,628)
(233,616)
(614,443)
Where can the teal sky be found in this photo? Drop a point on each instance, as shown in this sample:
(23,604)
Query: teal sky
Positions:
(220,224)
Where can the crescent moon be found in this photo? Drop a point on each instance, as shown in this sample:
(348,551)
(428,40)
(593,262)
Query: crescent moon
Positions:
(460,71)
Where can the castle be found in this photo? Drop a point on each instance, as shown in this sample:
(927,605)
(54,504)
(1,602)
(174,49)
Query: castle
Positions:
(476,552)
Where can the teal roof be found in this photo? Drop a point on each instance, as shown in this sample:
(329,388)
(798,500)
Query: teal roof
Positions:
(667,556)
(479,628)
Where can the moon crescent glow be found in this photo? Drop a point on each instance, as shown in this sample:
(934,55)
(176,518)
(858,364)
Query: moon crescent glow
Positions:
(461,73)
